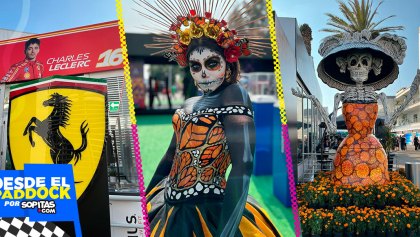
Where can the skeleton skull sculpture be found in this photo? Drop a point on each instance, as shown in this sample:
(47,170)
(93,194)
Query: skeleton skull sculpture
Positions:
(359,65)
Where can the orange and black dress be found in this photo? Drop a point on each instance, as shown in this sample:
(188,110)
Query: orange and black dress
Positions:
(189,201)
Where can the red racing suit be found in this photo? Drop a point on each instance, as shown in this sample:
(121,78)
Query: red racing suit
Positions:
(24,70)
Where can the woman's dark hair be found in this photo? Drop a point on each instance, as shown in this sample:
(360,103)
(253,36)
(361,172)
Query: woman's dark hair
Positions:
(212,45)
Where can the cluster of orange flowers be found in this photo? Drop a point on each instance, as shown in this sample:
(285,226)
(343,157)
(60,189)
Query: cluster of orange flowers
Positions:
(327,208)
(359,220)
(322,193)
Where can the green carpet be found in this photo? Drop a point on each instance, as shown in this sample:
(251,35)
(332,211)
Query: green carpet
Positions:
(155,133)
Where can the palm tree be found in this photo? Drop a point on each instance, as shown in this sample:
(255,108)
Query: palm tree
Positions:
(306,32)
(358,16)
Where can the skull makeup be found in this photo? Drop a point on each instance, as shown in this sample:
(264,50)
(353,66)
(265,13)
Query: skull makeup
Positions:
(208,68)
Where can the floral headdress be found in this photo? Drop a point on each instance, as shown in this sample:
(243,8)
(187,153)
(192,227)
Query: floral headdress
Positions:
(178,22)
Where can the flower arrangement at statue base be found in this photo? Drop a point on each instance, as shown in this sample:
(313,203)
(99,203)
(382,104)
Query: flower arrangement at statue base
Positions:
(392,209)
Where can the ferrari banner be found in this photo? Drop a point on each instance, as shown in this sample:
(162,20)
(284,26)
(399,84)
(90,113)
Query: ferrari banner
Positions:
(66,52)
(58,121)
(62,120)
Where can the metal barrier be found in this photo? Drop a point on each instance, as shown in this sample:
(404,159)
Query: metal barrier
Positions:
(313,163)
(412,171)
(4,114)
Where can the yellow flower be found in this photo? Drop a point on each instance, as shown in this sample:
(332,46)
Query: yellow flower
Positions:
(185,37)
(212,30)
(196,31)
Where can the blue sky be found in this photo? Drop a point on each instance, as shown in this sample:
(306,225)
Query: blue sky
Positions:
(52,15)
(313,12)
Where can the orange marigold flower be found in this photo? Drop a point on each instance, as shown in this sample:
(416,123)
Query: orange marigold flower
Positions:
(362,170)
(380,155)
(364,156)
(347,167)
(376,174)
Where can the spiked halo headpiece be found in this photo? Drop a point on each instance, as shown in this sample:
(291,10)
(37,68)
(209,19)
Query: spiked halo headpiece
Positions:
(177,22)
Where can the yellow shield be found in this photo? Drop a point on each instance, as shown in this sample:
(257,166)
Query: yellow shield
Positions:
(51,122)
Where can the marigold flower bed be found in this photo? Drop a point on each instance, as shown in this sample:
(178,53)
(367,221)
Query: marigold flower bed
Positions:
(325,208)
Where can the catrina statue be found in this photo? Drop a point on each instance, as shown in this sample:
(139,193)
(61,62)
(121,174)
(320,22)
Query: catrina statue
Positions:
(359,64)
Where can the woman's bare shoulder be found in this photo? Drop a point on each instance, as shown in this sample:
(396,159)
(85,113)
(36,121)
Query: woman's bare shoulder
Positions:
(235,94)
(190,101)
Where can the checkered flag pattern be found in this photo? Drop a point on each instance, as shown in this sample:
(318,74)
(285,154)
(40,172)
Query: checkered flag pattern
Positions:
(22,227)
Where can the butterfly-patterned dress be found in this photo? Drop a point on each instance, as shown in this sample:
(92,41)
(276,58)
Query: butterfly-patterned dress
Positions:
(189,201)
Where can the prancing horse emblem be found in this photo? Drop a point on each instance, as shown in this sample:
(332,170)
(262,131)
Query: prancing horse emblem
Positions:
(61,149)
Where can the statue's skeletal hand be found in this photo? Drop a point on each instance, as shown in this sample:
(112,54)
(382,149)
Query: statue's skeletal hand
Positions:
(297,93)
(300,94)
(416,81)
(332,128)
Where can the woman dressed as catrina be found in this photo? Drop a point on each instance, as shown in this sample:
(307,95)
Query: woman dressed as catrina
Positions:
(189,194)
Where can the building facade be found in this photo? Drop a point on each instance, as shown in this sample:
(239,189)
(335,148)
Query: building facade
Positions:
(408,121)
(298,72)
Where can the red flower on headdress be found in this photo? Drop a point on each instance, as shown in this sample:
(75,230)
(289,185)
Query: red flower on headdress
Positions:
(243,45)
(181,59)
(233,53)
(200,21)
(225,39)
(246,52)
(173,27)
(180,48)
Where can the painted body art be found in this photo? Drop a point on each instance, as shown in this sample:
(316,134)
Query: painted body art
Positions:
(190,195)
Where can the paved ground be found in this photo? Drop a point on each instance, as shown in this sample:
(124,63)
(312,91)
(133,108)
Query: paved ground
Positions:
(409,155)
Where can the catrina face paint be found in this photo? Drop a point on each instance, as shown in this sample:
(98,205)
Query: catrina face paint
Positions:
(208,68)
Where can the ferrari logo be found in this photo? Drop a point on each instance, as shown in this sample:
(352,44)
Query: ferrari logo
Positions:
(61,149)
(58,125)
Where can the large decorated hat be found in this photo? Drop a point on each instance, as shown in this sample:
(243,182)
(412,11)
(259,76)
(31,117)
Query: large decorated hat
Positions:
(387,47)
